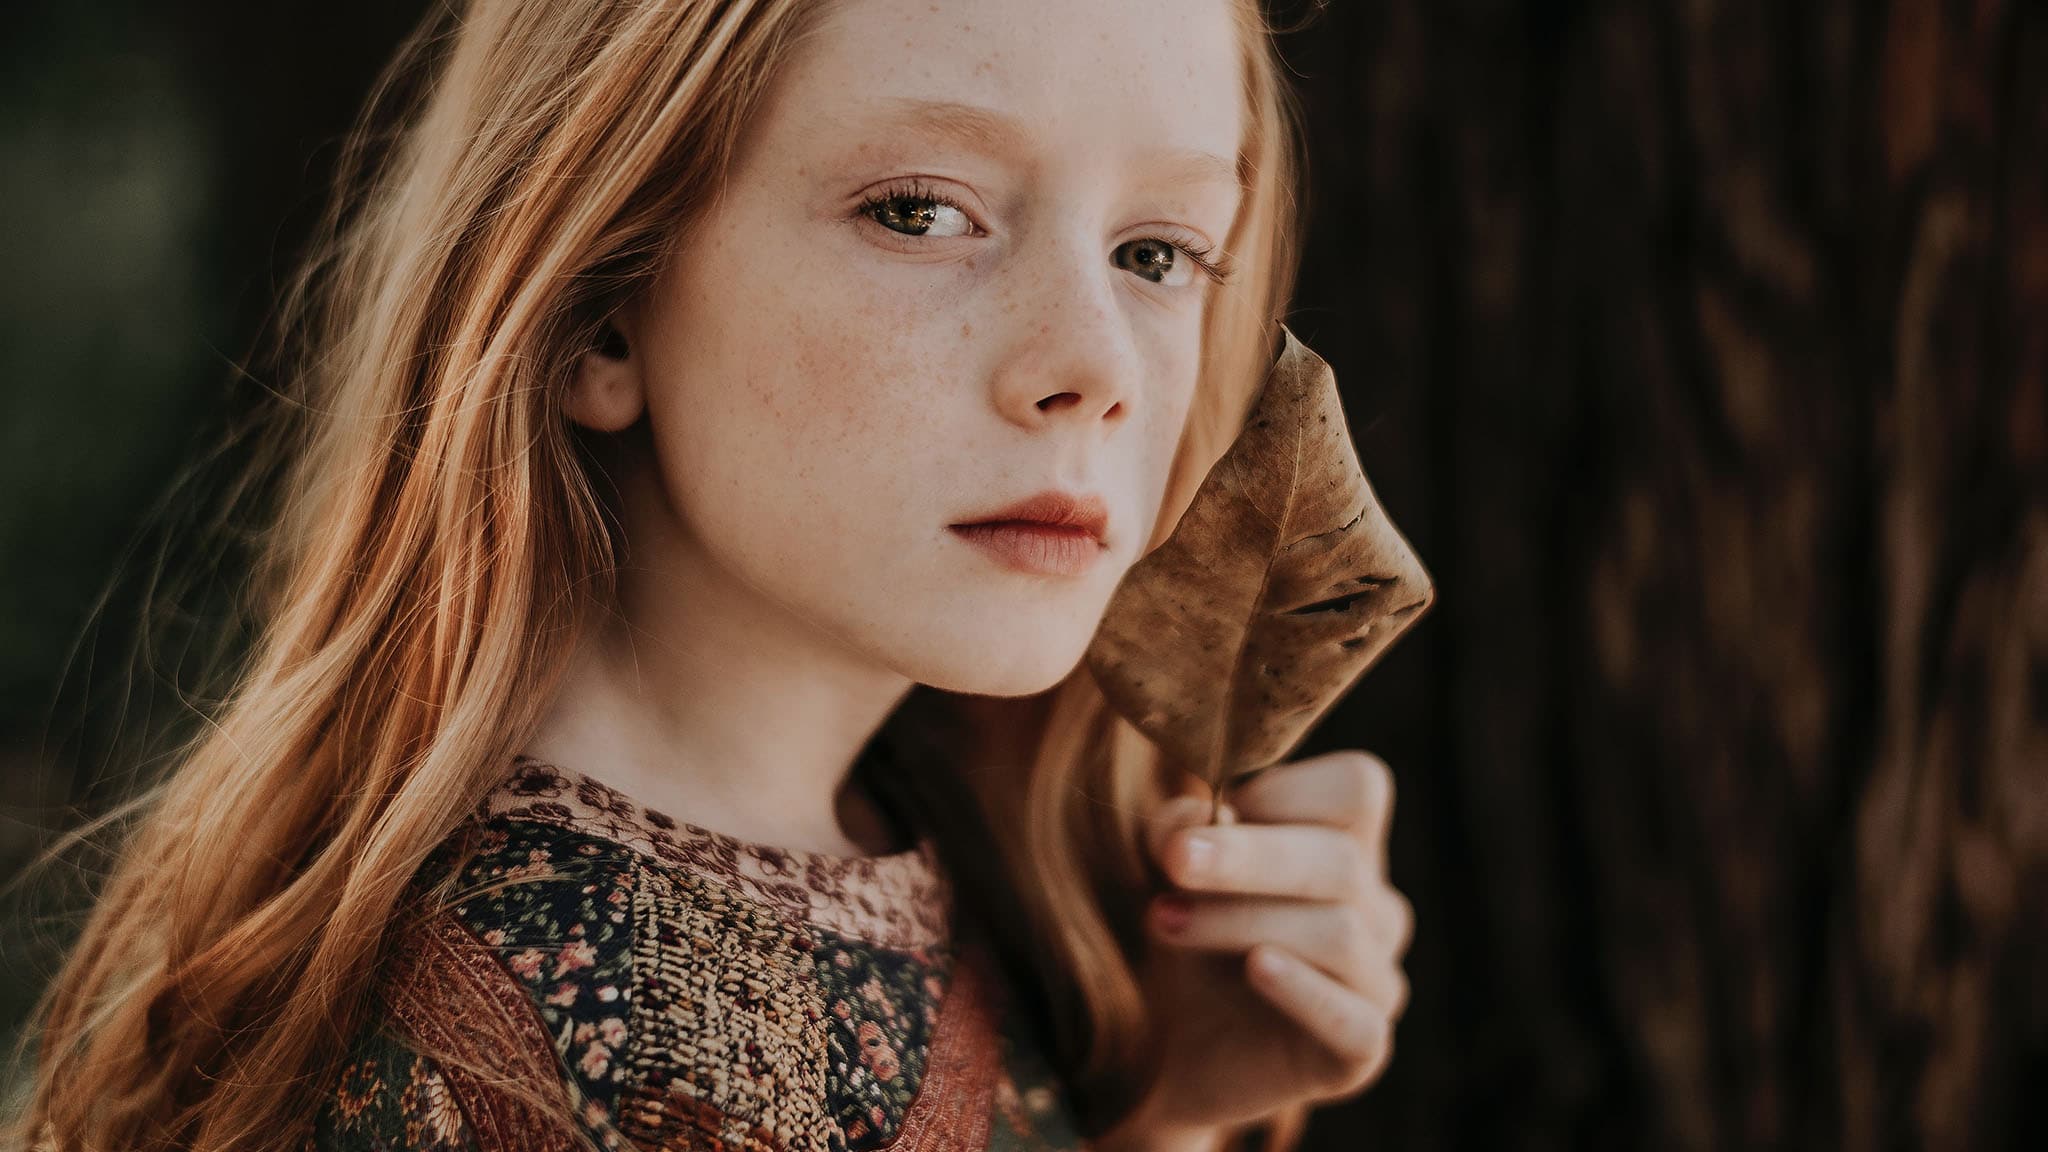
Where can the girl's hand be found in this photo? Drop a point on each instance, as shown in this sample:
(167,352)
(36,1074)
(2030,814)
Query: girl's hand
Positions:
(1297,879)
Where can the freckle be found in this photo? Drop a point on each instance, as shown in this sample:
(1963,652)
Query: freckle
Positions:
(966,329)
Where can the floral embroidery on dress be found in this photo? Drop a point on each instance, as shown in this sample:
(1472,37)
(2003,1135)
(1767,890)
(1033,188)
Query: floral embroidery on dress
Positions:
(699,992)
(555,906)
(389,1096)
(880,1008)
(899,900)
(432,1120)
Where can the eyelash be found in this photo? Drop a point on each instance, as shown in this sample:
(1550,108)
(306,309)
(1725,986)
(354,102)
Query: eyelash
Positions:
(1217,266)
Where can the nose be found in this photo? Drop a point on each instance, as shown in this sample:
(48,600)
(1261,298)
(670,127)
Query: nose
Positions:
(1071,358)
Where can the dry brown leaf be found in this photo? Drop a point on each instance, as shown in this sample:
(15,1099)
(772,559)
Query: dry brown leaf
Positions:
(1280,585)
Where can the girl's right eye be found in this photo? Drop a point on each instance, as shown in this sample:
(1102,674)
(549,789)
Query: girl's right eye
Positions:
(915,210)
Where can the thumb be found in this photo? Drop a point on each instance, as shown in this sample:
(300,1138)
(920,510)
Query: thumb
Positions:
(1169,817)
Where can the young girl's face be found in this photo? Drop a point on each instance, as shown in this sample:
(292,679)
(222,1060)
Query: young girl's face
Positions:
(949,269)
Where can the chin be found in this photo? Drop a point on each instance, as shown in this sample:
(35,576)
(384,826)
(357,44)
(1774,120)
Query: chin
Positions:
(1007,665)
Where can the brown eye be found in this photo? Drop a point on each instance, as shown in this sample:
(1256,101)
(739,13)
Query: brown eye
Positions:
(915,213)
(1155,260)
(907,214)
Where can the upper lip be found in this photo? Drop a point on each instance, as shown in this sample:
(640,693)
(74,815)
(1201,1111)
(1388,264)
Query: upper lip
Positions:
(1064,509)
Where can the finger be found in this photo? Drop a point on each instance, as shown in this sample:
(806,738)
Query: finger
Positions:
(1379,806)
(1357,1033)
(1168,818)
(1346,789)
(1303,861)
(1396,921)
(1333,937)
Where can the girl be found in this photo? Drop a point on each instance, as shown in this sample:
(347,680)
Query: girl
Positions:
(662,731)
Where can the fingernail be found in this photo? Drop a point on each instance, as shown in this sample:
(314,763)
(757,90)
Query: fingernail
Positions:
(1170,913)
(1197,853)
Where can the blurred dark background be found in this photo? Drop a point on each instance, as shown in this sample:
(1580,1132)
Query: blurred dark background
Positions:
(1701,349)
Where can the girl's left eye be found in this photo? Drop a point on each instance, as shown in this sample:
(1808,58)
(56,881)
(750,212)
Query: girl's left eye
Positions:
(914,210)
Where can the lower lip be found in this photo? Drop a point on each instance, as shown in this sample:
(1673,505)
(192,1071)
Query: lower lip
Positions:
(1040,549)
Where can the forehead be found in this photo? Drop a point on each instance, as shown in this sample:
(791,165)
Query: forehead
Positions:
(1156,81)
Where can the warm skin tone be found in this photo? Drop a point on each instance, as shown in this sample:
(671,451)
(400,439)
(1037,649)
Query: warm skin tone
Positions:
(811,392)
(1296,874)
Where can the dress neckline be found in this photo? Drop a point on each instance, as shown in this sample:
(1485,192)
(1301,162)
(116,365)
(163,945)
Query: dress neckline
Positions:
(897,899)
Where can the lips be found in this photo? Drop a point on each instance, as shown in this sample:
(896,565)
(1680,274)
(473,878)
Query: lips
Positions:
(1051,534)
(1055,508)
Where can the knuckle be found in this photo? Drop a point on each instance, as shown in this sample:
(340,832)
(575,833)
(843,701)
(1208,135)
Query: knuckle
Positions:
(1373,1063)
(1159,832)
(1359,881)
(1179,857)
(1381,789)
(1354,938)
(1366,1052)
(1361,1075)
(1373,780)
(1404,921)
(1156,848)
(1377,1067)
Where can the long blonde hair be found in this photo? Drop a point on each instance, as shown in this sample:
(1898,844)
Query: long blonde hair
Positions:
(437,544)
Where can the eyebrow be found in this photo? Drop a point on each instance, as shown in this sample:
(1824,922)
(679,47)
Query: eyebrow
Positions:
(986,130)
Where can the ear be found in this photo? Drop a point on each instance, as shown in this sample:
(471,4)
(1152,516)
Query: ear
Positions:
(609,390)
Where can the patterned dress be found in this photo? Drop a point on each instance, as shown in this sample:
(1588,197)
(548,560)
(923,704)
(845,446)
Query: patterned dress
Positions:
(658,985)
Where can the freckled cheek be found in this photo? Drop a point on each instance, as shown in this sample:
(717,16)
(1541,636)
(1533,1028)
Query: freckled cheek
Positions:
(823,404)
(849,417)
(792,354)
(840,389)
(1159,443)
(1173,396)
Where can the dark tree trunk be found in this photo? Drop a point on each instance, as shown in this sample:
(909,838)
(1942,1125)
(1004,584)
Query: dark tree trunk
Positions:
(1703,350)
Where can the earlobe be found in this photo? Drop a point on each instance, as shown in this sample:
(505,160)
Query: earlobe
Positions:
(608,393)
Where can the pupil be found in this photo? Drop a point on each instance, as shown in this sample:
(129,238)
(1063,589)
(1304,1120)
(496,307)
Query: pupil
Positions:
(1154,257)
(919,218)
